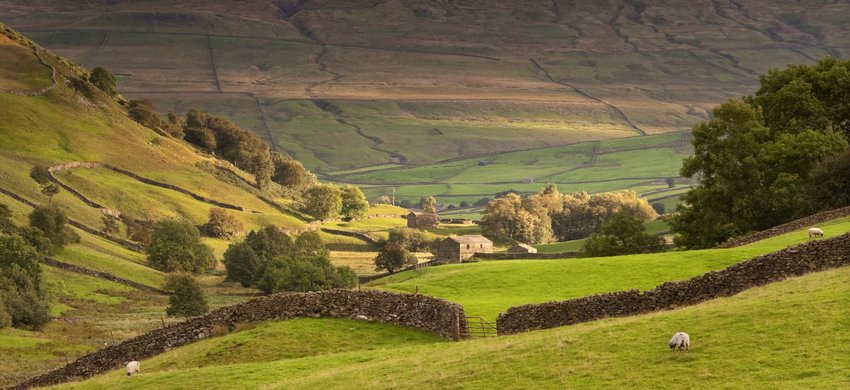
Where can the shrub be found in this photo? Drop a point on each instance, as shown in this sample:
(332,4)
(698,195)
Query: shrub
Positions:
(658,207)
(187,298)
(6,224)
(143,112)
(223,224)
(428,204)
(51,221)
(20,284)
(305,274)
(392,257)
(177,246)
(103,80)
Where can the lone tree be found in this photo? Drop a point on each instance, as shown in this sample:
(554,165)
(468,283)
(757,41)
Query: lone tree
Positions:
(103,80)
(428,204)
(177,246)
(621,235)
(41,175)
(223,224)
(291,173)
(246,261)
(392,257)
(187,298)
(51,222)
(323,201)
(354,203)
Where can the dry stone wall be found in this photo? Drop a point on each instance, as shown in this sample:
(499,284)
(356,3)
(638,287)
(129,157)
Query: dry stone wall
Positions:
(411,310)
(799,260)
(525,256)
(810,221)
(98,274)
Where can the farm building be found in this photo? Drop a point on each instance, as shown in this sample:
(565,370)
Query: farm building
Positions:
(422,220)
(522,248)
(456,249)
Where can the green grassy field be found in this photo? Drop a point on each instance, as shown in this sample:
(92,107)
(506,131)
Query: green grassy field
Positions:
(487,288)
(741,342)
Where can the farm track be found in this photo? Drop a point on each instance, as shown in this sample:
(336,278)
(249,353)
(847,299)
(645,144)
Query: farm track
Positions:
(589,96)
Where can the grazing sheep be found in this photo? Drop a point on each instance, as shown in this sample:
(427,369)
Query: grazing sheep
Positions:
(815,232)
(133,367)
(681,340)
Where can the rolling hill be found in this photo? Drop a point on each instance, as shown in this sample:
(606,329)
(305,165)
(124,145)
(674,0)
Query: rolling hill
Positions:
(390,83)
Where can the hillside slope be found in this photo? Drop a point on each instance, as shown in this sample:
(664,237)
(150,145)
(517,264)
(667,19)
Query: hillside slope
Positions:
(384,77)
(738,342)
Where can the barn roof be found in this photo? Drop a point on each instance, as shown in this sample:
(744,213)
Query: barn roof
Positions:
(470,239)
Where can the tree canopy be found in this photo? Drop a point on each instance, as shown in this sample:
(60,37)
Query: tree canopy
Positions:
(757,156)
(177,246)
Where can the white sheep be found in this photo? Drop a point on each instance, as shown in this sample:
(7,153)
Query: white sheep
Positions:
(133,367)
(815,232)
(681,340)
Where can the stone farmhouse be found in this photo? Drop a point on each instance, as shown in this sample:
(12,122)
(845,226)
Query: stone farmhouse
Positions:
(456,249)
(522,249)
(422,220)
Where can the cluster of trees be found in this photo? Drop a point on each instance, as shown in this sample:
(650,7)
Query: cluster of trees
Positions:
(175,246)
(770,157)
(247,151)
(273,261)
(549,215)
(223,224)
(23,300)
(397,252)
(324,201)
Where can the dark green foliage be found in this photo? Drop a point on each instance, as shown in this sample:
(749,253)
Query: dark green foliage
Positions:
(621,235)
(272,262)
(177,246)
(21,294)
(144,112)
(393,257)
(51,221)
(354,203)
(103,80)
(202,137)
(751,176)
(482,202)
(35,238)
(246,261)
(174,125)
(40,174)
(291,173)
(670,182)
(50,190)
(805,97)
(223,224)
(323,201)
(414,240)
(828,186)
(464,204)
(187,299)
(658,207)
(6,223)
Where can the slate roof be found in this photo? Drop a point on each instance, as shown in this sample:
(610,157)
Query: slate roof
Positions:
(470,239)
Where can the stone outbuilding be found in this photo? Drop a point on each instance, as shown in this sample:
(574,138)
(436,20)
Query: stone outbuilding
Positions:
(422,220)
(456,249)
(522,248)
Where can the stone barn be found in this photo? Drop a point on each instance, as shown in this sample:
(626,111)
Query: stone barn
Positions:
(422,220)
(522,249)
(456,249)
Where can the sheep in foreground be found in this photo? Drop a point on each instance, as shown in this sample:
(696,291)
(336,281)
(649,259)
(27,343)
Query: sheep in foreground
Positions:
(133,367)
(680,340)
(815,232)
